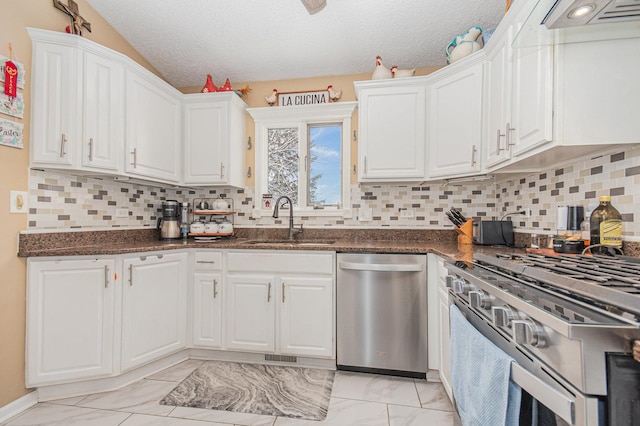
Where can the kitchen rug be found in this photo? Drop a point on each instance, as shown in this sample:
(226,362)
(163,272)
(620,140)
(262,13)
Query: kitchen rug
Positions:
(301,393)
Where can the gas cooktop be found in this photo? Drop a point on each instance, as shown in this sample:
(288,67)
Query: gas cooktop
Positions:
(612,283)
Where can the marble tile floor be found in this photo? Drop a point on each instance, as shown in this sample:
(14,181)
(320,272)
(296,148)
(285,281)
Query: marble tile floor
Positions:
(356,399)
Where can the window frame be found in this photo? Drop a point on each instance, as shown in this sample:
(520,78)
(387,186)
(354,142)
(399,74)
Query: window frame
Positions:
(301,117)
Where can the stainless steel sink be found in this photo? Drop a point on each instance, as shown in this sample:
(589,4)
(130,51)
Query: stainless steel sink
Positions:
(289,243)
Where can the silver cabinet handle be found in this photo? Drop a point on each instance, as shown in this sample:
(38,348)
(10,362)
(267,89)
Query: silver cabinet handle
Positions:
(269,293)
(135,157)
(365,164)
(221,170)
(63,145)
(106,276)
(282,292)
(90,149)
(508,134)
(130,275)
(205,261)
(143,258)
(160,256)
(215,285)
(473,155)
(498,149)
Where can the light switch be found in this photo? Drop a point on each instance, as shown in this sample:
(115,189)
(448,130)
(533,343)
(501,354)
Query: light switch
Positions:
(18,202)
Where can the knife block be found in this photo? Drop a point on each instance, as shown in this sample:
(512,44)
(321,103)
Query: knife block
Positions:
(465,233)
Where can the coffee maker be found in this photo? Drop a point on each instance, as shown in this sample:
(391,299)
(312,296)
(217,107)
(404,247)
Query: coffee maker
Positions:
(169,225)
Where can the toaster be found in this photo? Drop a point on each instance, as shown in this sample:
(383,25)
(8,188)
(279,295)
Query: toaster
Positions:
(493,232)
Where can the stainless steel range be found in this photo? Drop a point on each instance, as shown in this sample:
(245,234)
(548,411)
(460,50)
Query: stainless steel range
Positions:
(569,322)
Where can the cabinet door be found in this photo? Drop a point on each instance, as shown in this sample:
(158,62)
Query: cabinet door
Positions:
(206,138)
(445,369)
(152,129)
(497,102)
(70,320)
(532,112)
(455,130)
(103,112)
(392,124)
(56,106)
(306,316)
(154,307)
(250,312)
(207,309)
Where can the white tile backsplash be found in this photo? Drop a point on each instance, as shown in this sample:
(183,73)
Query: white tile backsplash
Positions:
(59,200)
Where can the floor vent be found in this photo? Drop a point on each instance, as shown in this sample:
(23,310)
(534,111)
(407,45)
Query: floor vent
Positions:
(280,358)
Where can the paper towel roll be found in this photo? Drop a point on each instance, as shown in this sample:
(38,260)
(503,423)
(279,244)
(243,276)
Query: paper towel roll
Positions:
(563,214)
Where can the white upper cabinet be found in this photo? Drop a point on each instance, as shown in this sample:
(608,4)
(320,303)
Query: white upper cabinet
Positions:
(153,131)
(103,113)
(455,121)
(56,101)
(214,139)
(517,96)
(77,104)
(392,137)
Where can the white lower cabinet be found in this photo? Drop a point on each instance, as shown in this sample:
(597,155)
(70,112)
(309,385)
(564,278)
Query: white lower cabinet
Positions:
(70,320)
(443,311)
(154,307)
(92,318)
(281,303)
(207,300)
(250,312)
(306,313)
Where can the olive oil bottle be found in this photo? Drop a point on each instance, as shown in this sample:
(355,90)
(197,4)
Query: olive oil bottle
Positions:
(606,224)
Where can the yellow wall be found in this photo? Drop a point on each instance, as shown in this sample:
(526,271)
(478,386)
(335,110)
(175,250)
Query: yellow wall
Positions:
(15,16)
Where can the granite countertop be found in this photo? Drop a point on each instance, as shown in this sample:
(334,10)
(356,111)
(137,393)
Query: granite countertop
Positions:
(90,243)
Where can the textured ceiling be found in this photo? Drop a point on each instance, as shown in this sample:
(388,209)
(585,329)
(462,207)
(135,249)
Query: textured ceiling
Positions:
(257,40)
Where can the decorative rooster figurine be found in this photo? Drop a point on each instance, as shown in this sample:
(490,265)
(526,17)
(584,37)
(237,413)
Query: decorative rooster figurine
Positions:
(226,87)
(333,94)
(271,99)
(381,71)
(402,73)
(209,87)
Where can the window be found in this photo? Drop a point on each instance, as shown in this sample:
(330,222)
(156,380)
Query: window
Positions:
(304,153)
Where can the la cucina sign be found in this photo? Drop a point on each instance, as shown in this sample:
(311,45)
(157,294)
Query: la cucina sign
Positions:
(303,98)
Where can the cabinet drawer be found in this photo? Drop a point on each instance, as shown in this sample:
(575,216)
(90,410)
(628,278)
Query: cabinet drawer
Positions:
(208,261)
(269,261)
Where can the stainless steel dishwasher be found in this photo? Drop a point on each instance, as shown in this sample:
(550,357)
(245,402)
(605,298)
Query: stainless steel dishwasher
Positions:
(382,313)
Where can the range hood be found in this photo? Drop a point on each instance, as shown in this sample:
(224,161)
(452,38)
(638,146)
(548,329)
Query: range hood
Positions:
(573,13)
(548,22)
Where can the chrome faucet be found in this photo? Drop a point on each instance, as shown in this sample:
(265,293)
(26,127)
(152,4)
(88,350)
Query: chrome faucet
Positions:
(292,230)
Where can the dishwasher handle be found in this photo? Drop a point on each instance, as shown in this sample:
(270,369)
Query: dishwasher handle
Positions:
(382,267)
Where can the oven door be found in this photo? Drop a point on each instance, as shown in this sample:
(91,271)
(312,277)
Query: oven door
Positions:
(562,403)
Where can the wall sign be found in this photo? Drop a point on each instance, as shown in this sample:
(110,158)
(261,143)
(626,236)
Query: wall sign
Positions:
(303,98)
(11,133)
(3,60)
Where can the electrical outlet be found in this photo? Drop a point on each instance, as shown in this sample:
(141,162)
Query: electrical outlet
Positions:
(407,213)
(365,214)
(123,212)
(527,212)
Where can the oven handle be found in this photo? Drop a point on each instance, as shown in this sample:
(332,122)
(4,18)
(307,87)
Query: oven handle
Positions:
(545,394)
